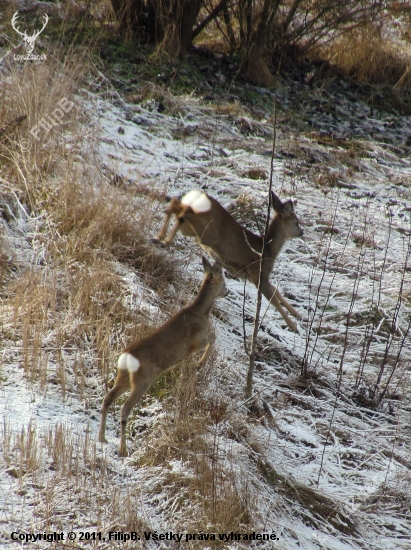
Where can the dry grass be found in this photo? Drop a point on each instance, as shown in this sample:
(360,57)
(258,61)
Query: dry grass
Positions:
(192,434)
(68,293)
(77,297)
(34,92)
(367,54)
(6,258)
(51,463)
(68,313)
(65,301)
(158,98)
(68,310)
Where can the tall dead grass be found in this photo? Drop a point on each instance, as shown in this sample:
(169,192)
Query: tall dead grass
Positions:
(69,292)
(5,257)
(209,489)
(70,316)
(65,481)
(368,54)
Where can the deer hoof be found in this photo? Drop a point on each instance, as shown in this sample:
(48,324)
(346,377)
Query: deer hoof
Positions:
(292,326)
(122,450)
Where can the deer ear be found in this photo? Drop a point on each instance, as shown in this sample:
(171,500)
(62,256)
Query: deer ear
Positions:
(217,269)
(276,202)
(288,208)
(208,268)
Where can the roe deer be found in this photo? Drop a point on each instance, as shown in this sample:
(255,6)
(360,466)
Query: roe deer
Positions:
(190,330)
(235,247)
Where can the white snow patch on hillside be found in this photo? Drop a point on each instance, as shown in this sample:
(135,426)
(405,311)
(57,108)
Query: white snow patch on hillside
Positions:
(362,453)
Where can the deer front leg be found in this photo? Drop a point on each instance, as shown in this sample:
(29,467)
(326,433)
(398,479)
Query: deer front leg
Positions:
(290,308)
(272,295)
(208,350)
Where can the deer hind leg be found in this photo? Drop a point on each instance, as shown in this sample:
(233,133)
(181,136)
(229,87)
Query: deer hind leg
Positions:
(161,234)
(181,225)
(178,210)
(121,385)
(176,227)
(275,298)
(139,385)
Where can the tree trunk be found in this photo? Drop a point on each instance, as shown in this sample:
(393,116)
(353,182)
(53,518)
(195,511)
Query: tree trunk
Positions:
(210,17)
(255,67)
(128,13)
(191,9)
(168,23)
(178,33)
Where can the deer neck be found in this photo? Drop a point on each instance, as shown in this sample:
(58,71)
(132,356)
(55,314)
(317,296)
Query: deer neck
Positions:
(275,238)
(205,298)
(253,240)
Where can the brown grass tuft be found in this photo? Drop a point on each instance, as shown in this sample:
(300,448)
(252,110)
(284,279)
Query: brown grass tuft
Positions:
(368,55)
(190,434)
(69,292)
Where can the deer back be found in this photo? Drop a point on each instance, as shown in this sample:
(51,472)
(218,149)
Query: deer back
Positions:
(187,331)
(219,233)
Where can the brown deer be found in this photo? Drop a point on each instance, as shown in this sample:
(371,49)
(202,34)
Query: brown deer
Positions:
(190,330)
(235,247)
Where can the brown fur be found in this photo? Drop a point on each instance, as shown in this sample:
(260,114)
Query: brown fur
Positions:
(190,330)
(236,248)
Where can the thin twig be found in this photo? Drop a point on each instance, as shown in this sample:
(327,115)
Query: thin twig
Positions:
(250,374)
(244,329)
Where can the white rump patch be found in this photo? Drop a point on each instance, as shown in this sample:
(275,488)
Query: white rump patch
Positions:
(198,201)
(126,361)
(191,196)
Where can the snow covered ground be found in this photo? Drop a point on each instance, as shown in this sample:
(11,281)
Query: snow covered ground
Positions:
(322,464)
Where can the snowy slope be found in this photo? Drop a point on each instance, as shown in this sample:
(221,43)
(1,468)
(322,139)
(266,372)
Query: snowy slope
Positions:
(323,468)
